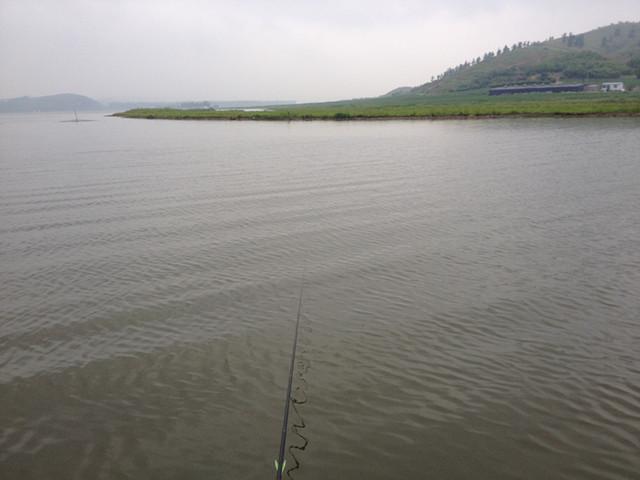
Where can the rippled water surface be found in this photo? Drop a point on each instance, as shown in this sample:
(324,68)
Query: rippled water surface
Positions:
(471,305)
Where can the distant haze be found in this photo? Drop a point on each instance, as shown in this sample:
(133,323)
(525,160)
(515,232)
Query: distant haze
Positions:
(278,49)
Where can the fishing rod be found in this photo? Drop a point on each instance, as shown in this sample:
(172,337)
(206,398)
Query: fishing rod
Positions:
(281,462)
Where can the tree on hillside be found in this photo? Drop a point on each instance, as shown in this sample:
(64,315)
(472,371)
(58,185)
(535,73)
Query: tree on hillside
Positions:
(634,64)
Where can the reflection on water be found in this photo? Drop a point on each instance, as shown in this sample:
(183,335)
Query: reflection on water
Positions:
(470,305)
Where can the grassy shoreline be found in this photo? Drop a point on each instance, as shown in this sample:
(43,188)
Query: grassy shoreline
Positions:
(241,118)
(445,107)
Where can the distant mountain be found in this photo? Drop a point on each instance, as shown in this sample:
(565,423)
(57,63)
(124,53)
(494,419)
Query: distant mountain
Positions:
(64,102)
(604,53)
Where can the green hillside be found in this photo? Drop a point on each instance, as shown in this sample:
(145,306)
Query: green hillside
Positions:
(606,53)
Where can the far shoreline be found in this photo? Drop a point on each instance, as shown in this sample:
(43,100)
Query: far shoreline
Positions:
(242,118)
(471,106)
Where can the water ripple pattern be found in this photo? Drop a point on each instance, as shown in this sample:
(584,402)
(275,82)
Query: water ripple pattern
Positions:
(473,289)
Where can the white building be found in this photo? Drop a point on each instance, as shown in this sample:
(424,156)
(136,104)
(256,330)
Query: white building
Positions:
(612,87)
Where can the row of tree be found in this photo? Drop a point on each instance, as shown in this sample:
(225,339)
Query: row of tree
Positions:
(484,58)
(572,40)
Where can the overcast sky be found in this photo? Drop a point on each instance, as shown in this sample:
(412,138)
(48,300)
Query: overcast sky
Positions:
(265,50)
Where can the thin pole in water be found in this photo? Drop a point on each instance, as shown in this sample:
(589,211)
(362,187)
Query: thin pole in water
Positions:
(281,462)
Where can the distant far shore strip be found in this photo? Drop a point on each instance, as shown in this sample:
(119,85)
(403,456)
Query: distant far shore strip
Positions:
(382,117)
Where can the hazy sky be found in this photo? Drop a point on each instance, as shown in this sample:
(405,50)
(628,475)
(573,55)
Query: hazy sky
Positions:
(273,49)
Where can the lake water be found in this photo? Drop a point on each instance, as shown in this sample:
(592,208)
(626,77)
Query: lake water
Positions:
(471,298)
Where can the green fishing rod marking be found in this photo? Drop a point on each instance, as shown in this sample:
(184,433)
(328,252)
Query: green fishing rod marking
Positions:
(280,463)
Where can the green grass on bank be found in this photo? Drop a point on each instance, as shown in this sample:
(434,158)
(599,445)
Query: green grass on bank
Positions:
(469,105)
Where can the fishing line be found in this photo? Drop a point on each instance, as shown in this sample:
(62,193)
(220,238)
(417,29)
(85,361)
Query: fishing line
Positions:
(281,463)
(300,423)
